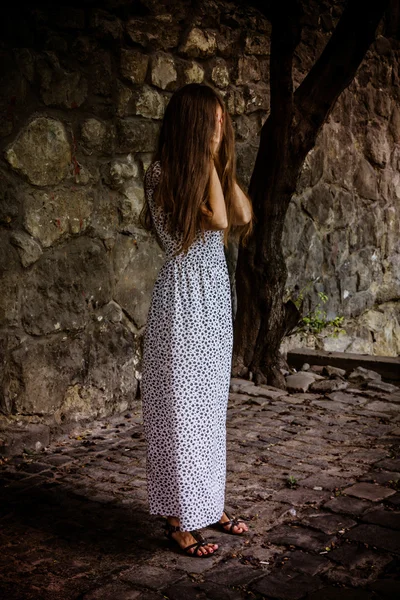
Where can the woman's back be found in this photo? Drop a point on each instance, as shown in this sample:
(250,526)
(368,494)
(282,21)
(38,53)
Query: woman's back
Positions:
(212,248)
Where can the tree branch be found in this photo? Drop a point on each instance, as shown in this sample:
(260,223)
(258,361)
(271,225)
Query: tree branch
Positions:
(285,16)
(335,69)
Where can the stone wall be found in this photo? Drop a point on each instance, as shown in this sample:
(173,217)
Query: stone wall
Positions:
(343,226)
(83,92)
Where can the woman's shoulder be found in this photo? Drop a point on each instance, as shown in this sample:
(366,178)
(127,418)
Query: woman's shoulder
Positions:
(152,175)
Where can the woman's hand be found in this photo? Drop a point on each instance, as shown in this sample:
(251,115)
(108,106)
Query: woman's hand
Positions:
(217,137)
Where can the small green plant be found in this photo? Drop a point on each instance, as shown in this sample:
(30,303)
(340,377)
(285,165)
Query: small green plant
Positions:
(315,321)
(291,482)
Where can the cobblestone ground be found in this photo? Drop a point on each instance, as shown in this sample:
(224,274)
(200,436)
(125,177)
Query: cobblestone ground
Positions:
(316,476)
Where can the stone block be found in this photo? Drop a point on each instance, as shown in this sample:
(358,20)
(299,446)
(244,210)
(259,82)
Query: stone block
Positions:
(233,575)
(106,25)
(302,537)
(333,371)
(353,556)
(193,73)
(58,87)
(385,518)
(377,148)
(234,101)
(130,204)
(357,579)
(113,590)
(161,32)
(381,386)
(377,536)
(366,456)
(136,135)
(365,181)
(101,75)
(147,102)
(97,135)
(360,375)
(382,407)
(395,397)
(369,491)
(331,405)
(390,464)
(287,585)
(256,97)
(348,505)
(347,398)
(41,152)
(123,99)
(200,43)
(50,216)
(136,266)
(327,522)
(134,65)
(304,562)
(163,71)
(28,248)
(329,385)
(257,43)
(105,217)
(248,69)
(151,577)
(380,477)
(220,73)
(299,382)
(29,393)
(122,170)
(228,40)
(52,282)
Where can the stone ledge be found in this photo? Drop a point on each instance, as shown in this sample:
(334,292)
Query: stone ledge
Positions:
(387,366)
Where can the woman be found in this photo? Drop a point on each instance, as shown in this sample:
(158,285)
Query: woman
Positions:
(192,201)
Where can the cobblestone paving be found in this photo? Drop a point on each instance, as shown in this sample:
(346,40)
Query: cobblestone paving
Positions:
(316,476)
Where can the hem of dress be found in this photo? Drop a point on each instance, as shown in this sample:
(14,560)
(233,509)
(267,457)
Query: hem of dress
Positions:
(199,525)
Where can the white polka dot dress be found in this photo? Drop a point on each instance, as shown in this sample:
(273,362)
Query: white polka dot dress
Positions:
(186,369)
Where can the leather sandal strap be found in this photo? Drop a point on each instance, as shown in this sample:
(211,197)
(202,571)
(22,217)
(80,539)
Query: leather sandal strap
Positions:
(196,545)
(232,522)
(201,541)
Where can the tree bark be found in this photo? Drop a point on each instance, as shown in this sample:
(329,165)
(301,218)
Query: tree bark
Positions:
(290,132)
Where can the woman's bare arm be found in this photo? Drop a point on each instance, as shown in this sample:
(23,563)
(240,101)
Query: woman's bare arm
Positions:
(216,218)
(241,205)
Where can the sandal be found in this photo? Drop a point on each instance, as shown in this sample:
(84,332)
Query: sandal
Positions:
(232,522)
(201,541)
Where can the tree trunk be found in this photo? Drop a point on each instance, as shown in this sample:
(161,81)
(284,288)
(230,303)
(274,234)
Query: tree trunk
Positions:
(262,319)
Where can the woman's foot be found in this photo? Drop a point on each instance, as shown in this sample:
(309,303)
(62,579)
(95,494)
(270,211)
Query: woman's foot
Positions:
(185,538)
(237,528)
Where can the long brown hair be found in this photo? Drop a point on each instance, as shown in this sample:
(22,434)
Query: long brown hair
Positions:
(185,153)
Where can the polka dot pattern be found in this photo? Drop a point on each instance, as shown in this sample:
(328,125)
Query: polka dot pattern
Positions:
(186,370)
